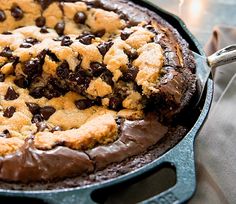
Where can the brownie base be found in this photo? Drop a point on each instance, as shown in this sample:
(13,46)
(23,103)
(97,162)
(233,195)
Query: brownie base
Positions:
(112,171)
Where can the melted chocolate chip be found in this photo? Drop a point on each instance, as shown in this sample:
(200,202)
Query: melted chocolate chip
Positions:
(130,74)
(9,111)
(40,21)
(151,29)
(132,54)
(11,94)
(25,45)
(80,17)
(37,92)
(104,47)
(115,103)
(14,60)
(6,52)
(6,33)
(44,30)
(2,77)
(31,41)
(84,104)
(97,68)
(22,82)
(6,132)
(33,68)
(66,41)
(50,93)
(34,108)
(56,128)
(17,13)
(60,27)
(63,70)
(52,56)
(125,35)
(47,111)
(37,118)
(41,56)
(100,33)
(2,16)
(86,38)
(107,77)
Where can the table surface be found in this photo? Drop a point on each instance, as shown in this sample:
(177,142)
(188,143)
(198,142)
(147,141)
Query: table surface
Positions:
(201,16)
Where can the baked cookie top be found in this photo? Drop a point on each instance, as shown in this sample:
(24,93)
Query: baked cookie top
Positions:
(72,72)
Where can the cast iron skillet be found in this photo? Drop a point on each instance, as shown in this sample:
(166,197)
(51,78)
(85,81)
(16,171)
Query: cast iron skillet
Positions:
(180,156)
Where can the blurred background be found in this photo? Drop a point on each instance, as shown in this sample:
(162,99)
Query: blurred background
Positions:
(202,15)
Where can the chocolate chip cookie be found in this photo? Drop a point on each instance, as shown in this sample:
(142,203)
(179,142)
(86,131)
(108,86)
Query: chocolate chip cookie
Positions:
(85,81)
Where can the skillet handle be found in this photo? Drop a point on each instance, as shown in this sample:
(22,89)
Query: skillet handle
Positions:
(224,56)
(182,157)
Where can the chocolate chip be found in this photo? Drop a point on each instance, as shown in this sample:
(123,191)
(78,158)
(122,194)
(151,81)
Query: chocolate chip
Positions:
(9,111)
(130,74)
(125,35)
(34,108)
(86,38)
(132,54)
(2,77)
(151,29)
(41,126)
(17,13)
(33,68)
(32,41)
(63,70)
(52,56)
(37,118)
(97,68)
(25,45)
(51,93)
(14,60)
(6,132)
(44,30)
(6,52)
(37,92)
(66,41)
(22,82)
(84,104)
(82,77)
(104,47)
(115,103)
(80,17)
(107,77)
(60,27)
(56,128)
(100,33)
(6,33)
(11,94)
(2,16)
(40,21)
(47,111)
